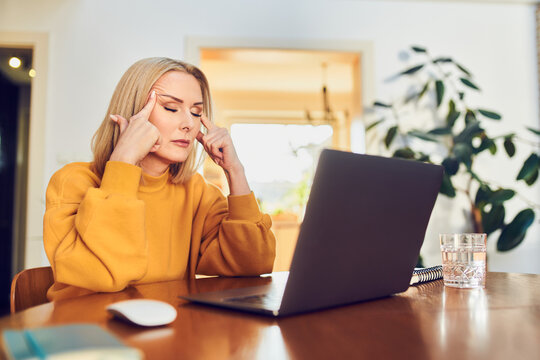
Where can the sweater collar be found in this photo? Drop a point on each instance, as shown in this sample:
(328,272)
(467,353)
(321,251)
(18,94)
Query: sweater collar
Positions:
(153,183)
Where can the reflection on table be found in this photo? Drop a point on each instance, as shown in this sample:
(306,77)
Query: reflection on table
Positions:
(428,321)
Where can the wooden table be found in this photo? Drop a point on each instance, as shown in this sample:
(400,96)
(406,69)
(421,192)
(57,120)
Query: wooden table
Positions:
(428,321)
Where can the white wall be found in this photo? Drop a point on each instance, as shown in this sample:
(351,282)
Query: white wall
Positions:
(92,42)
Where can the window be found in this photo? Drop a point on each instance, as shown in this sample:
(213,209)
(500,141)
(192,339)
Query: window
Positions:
(280,160)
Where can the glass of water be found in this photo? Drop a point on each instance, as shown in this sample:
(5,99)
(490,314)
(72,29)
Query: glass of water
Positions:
(464,260)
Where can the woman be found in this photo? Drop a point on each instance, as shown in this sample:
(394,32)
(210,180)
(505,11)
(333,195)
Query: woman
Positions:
(139,212)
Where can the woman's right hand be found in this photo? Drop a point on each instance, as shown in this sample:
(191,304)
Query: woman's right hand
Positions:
(138,136)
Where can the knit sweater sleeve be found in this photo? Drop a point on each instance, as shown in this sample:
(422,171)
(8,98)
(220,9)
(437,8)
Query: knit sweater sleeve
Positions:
(94,231)
(236,237)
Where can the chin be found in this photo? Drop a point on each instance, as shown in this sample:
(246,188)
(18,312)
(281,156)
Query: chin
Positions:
(177,156)
(175,159)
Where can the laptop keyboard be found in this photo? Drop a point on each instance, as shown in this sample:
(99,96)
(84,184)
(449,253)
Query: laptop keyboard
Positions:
(269,300)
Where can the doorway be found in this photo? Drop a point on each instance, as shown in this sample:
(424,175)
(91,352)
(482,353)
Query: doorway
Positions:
(282,107)
(16,73)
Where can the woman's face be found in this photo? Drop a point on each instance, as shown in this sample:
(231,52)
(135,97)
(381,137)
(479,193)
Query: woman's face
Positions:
(176,115)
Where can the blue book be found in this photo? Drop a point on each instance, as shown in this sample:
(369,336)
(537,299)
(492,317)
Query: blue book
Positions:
(78,341)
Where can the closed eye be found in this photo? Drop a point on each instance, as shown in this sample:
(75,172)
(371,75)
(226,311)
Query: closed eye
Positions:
(197,115)
(170,109)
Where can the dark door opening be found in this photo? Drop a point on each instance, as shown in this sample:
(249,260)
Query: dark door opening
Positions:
(15,84)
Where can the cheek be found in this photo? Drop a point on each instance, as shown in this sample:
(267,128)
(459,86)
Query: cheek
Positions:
(161,122)
(197,126)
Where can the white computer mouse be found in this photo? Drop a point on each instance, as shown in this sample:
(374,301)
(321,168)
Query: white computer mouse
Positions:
(143,312)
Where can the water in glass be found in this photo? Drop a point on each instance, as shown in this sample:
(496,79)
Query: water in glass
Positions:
(464,260)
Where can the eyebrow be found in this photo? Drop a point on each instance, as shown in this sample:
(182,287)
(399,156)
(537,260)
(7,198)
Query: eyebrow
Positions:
(177,99)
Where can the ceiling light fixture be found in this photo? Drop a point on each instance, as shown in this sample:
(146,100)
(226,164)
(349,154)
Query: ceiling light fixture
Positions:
(14,62)
(327,109)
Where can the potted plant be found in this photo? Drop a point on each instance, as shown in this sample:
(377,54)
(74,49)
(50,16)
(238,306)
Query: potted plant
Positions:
(454,136)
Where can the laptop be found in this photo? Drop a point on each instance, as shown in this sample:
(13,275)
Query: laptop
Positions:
(363,228)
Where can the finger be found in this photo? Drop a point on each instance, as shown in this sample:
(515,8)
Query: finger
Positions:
(217,151)
(207,147)
(199,137)
(219,137)
(216,159)
(121,121)
(218,134)
(207,123)
(203,139)
(215,148)
(157,145)
(217,156)
(147,109)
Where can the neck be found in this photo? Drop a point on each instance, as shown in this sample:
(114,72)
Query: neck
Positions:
(153,166)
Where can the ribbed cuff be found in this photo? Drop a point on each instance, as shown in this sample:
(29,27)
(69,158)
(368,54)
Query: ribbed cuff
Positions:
(244,207)
(121,178)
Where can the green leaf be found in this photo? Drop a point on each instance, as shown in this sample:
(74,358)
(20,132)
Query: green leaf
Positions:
(423,157)
(440,131)
(390,136)
(373,124)
(469,83)
(422,135)
(470,117)
(446,187)
(453,115)
(463,153)
(462,150)
(418,49)
(380,104)
(419,262)
(462,68)
(514,233)
(532,179)
(451,106)
(451,166)
(494,219)
(412,70)
(482,196)
(405,153)
(442,60)
(490,114)
(501,195)
(529,167)
(493,148)
(537,132)
(410,97)
(509,146)
(451,119)
(439,87)
(486,143)
(423,91)
(471,130)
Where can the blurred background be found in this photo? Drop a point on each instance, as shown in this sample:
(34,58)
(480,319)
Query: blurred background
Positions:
(288,79)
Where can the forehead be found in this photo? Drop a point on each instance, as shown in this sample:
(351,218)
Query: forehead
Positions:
(179,84)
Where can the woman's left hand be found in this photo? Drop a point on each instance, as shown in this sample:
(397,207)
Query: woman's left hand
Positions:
(219,146)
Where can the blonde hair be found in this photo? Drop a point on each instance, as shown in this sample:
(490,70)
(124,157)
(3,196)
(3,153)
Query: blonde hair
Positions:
(129,98)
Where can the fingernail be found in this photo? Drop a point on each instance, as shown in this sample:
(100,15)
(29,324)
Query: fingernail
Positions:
(113,118)
(153,94)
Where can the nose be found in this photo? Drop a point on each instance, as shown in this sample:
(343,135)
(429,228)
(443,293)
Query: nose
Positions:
(187,122)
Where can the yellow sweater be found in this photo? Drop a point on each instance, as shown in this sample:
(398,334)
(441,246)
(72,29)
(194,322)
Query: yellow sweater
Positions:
(104,234)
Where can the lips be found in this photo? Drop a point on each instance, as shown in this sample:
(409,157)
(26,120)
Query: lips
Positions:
(181,142)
